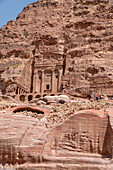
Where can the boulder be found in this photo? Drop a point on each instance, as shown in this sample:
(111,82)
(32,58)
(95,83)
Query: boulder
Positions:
(7,98)
(34,100)
(62,100)
(39,102)
(73,101)
(49,98)
(64,97)
(52,99)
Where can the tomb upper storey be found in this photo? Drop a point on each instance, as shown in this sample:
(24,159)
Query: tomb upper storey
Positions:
(48,52)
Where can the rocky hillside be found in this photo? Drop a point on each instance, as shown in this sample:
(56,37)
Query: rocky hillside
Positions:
(80,30)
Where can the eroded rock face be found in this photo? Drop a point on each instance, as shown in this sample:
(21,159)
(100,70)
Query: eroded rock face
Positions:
(84,138)
(82,132)
(77,32)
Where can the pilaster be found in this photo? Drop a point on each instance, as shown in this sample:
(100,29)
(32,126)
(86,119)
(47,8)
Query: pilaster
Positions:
(42,84)
(53,81)
(59,80)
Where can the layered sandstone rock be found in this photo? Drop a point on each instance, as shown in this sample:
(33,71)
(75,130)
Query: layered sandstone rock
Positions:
(83,141)
(78,33)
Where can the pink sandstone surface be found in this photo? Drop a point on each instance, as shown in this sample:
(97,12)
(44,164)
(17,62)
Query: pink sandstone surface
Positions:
(83,140)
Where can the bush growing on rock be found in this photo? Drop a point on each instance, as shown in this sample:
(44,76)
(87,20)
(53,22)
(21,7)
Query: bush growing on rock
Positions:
(26,34)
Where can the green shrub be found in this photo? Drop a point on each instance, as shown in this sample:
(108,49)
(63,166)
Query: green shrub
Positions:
(54,109)
(15,65)
(98,101)
(26,34)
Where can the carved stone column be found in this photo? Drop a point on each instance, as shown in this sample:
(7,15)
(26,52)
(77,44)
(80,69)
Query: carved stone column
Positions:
(18,91)
(59,80)
(34,82)
(42,82)
(37,83)
(53,81)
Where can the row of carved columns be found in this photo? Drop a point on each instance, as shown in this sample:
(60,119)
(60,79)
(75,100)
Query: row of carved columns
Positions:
(20,90)
(40,87)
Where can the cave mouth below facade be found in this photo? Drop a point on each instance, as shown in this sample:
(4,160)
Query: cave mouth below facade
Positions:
(28,109)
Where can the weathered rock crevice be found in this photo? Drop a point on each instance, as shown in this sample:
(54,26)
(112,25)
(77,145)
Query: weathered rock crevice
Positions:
(107,145)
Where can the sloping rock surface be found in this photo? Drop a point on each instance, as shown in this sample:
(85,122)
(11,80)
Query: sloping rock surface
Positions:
(84,139)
